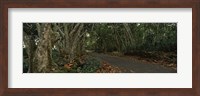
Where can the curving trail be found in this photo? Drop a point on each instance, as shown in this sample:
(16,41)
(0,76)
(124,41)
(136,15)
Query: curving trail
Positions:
(133,66)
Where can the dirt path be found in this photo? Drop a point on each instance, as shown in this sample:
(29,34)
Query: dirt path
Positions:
(133,66)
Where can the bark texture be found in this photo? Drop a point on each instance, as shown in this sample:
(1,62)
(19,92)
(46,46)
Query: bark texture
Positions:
(43,51)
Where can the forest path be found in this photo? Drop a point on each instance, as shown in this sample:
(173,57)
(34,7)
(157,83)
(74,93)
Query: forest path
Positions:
(129,65)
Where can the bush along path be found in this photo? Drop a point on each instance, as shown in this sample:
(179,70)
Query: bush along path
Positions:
(129,65)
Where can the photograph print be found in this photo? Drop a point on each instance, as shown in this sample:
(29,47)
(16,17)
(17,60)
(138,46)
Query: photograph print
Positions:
(99,47)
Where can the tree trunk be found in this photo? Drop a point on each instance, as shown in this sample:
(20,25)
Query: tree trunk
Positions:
(43,51)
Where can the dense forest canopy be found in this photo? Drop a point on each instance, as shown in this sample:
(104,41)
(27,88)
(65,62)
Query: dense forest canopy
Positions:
(44,44)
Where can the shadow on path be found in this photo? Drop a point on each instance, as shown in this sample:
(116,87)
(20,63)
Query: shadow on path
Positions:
(133,66)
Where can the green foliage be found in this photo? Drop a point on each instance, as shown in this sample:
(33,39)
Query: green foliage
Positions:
(125,37)
(91,65)
(55,55)
(156,37)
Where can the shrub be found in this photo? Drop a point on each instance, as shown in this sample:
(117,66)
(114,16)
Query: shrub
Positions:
(90,66)
(86,65)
